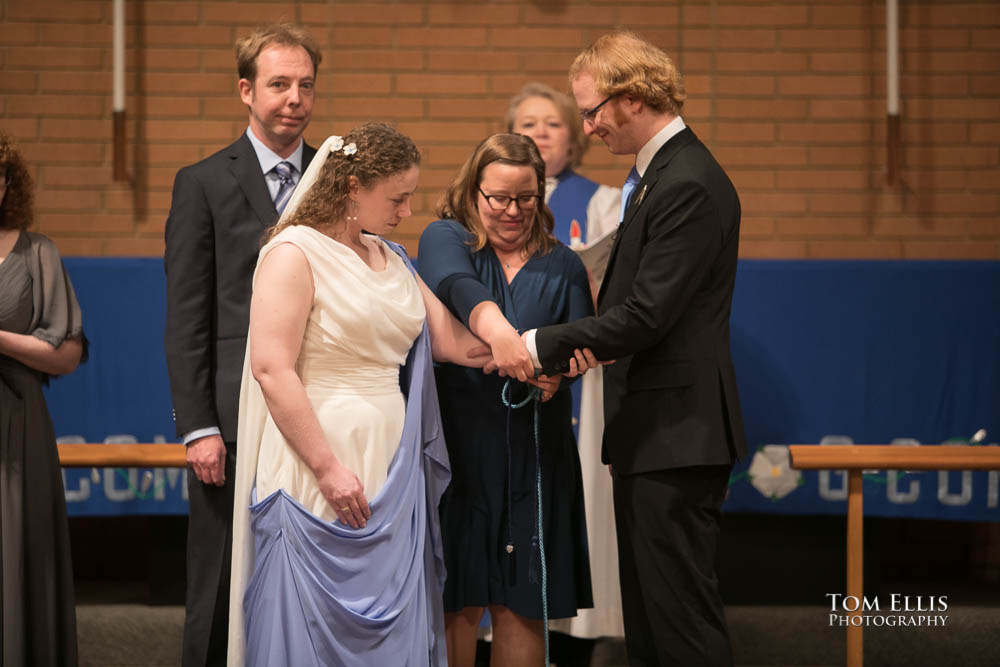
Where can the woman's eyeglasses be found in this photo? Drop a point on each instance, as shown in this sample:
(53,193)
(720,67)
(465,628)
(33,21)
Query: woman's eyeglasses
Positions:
(502,202)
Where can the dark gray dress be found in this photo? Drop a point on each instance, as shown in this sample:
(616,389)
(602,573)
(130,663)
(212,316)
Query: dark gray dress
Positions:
(36,586)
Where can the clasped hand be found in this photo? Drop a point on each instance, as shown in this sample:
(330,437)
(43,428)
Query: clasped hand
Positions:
(510,357)
(346,495)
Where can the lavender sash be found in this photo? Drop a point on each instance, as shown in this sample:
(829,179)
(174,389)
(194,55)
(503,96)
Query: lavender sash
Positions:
(325,594)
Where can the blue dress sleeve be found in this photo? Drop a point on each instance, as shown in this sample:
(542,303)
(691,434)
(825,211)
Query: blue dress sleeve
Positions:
(581,303)
(446,265)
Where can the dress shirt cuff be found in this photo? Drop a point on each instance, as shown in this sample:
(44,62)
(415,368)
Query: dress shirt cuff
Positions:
(201,433)
(529,342)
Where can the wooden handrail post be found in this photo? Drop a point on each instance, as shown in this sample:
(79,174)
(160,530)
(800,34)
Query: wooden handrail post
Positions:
(855,564)
(858,458)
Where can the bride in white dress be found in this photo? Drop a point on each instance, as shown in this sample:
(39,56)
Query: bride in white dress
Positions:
(328,568)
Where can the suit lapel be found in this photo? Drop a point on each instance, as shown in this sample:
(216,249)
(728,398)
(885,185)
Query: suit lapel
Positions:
(643,189)
(659,161)
(246,170)
(308,153)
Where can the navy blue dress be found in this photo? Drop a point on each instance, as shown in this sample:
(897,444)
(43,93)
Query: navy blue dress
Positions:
(476,523)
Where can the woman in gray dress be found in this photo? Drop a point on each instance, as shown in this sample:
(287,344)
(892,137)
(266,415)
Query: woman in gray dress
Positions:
(41,335)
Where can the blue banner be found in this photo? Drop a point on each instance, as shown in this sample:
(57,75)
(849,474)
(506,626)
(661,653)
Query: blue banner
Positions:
(872,353)
(121,394)
(849,351)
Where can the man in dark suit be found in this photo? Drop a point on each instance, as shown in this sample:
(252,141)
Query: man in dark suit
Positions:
(673,425)
(221,209)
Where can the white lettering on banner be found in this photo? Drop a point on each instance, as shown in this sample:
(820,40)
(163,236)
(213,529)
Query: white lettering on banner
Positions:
(895,478)
(121,485)
(892,492)
(83,492)
(897,497)
(115,494)
(111,490)
(79,495)
(174,476)
(825,492)
(946,497)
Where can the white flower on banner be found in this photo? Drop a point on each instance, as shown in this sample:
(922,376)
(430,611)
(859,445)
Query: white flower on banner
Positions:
(336,143)
(771,472)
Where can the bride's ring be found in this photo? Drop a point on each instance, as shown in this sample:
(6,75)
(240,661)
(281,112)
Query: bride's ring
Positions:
(344,509)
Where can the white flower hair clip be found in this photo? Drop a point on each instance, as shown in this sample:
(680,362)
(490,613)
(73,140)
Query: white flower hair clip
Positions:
(337,143)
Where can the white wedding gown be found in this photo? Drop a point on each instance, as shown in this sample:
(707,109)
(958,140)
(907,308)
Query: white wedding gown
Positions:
(359,332)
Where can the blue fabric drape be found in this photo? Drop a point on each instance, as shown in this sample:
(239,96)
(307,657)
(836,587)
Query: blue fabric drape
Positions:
(325,594)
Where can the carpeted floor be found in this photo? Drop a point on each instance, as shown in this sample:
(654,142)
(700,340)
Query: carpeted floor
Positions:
(132,635)
(135,635)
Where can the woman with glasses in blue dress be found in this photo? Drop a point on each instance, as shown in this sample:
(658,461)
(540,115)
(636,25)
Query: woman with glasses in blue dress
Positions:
(584,212)
(494,263)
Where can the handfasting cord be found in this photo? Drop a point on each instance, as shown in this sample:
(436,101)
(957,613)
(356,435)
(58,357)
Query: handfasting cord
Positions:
(534,395)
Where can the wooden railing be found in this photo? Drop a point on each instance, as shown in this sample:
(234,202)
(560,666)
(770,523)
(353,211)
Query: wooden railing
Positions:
(143,455)
(855,459)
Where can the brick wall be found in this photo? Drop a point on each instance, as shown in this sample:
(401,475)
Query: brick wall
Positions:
(789,95)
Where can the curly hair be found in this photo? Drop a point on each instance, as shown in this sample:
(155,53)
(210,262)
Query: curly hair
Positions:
(16,209)
(460,200)
(623,63)
(383,151)
(579,142)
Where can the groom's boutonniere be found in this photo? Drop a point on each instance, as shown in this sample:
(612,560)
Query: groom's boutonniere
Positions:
(642,193)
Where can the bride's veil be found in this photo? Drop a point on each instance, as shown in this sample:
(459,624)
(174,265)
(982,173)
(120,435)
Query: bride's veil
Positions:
(309,178)
(252,416)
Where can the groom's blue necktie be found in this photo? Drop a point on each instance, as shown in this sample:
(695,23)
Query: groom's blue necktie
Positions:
(630,183)
(284,172)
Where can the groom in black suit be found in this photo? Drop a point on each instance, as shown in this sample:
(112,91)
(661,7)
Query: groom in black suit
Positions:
(673,426)
(221,208)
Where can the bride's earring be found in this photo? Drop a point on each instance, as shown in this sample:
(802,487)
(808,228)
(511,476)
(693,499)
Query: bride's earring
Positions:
(354,210)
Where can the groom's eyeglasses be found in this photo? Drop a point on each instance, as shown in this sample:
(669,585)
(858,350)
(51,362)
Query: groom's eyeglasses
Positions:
(589,114)
(501,202)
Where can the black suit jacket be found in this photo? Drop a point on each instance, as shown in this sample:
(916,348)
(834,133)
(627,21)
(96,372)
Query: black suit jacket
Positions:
(219,213)
(670,400)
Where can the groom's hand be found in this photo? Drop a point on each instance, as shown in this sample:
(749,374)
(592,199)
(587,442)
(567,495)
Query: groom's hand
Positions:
(548,385)
(582,361)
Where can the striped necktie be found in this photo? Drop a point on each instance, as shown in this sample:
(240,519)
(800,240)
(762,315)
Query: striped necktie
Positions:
(630,183)
(284,172)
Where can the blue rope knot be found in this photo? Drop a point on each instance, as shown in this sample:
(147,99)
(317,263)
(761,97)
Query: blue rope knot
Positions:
(537,540)
(533,393)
